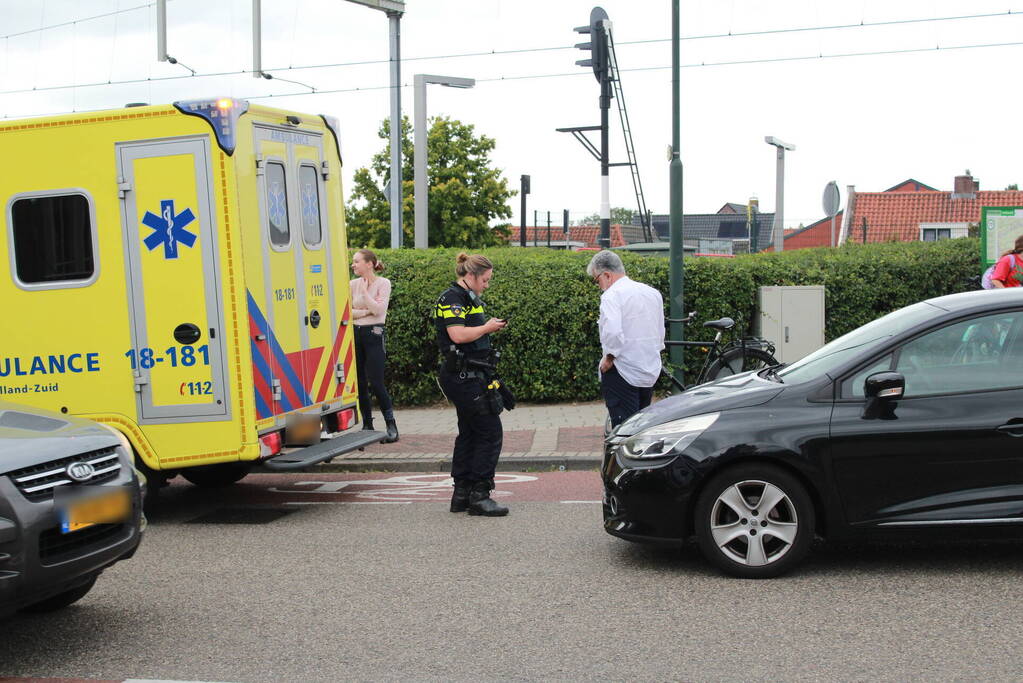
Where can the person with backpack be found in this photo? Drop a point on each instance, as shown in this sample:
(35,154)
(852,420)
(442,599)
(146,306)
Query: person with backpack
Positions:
(1008,272)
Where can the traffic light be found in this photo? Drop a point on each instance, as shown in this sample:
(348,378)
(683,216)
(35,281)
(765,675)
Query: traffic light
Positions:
(597,45)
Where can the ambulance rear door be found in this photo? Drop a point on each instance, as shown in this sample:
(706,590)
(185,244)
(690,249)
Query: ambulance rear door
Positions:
(177,353)
(297,305)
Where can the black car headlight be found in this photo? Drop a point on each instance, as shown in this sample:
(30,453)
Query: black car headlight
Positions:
(668,438)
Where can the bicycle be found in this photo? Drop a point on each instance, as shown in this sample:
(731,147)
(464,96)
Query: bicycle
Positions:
(723,360)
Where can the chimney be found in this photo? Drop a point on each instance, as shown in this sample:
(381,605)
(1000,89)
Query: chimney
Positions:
(965,187)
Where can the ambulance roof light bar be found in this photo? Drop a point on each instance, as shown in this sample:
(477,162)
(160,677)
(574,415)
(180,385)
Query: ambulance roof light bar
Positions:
(222,113)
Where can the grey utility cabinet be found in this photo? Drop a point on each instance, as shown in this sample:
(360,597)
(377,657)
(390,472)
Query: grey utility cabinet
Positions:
(792,318)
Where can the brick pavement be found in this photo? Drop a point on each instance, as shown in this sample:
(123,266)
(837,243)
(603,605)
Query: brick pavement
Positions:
(563,435)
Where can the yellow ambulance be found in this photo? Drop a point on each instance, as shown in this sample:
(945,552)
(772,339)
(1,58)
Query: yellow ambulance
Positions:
(180,273)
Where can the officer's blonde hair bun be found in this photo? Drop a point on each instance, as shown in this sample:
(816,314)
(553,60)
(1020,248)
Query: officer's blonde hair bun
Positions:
(476,264)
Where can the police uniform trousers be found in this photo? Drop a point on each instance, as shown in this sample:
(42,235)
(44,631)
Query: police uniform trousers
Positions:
(480,436)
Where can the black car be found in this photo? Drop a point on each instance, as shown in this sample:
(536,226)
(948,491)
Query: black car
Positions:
(70,506)
(906,427)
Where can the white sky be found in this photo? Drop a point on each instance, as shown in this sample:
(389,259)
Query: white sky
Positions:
(868,121)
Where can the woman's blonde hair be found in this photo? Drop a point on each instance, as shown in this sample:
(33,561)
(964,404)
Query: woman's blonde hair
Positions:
(477,264)
(369,257)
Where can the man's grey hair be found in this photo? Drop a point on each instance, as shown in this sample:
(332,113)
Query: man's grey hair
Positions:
(605,262)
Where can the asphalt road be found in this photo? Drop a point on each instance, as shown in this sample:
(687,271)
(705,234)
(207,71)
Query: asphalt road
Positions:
(348,579)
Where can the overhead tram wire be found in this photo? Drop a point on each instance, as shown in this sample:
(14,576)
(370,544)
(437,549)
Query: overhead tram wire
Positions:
(490,53)
(77,21)
(583,73)
(684,66)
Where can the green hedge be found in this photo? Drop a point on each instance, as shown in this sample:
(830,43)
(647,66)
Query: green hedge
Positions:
(551,348)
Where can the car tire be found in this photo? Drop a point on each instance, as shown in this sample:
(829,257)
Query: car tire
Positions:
(61,600)
(216,476)
(741,538)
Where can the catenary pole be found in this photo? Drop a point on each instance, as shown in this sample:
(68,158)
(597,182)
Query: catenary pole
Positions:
(676,270)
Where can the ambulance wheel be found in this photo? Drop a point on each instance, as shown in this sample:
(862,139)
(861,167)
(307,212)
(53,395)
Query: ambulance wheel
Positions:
(214,476)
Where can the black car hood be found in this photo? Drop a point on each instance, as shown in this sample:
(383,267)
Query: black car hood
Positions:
(30,436)
(740,391)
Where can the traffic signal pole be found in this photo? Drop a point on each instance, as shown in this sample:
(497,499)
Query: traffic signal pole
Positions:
(604,241)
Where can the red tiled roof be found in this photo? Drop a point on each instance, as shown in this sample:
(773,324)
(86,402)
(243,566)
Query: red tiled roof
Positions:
(814,235)
(896,216)
(576,233)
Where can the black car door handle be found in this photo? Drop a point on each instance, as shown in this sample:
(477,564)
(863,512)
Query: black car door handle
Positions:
(1013,429)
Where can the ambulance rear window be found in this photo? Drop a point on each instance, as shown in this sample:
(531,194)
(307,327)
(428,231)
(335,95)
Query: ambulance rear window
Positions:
(277,205)
(53,239)
(308,178)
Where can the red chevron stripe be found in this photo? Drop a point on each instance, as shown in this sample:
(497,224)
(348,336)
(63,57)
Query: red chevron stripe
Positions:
(348,368)
(329,371)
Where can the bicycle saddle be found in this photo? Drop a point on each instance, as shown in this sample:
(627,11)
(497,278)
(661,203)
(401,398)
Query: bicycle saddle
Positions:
(721,324)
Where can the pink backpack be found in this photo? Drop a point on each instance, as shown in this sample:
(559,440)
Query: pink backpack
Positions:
(985,279)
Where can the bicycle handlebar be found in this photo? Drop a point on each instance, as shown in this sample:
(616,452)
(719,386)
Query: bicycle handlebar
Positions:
(685,321)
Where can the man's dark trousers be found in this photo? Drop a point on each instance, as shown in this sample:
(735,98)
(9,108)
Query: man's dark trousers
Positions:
(621,398)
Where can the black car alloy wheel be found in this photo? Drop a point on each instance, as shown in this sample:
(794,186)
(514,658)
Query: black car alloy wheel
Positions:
(754,521)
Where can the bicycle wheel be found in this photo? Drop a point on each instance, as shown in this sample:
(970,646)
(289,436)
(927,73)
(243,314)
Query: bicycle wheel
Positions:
(737,360)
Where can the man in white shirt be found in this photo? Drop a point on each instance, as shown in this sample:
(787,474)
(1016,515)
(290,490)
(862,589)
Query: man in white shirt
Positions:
(631,337)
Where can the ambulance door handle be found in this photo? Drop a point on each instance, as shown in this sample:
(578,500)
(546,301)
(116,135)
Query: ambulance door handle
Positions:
(213,333)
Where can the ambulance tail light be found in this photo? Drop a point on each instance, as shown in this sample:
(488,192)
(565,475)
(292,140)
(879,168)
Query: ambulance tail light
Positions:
(270,444)
(222,113)
(346,418)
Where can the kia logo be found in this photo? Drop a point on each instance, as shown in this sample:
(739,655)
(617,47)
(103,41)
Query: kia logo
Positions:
(80,471)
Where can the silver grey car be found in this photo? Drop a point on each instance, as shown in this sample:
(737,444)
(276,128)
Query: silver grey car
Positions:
(70,506)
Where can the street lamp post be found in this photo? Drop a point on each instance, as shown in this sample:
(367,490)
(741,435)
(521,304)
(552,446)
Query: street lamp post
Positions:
(394,10)
(422,198)
(779,191)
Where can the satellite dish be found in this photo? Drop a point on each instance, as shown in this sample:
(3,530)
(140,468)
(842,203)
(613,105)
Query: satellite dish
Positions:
(832,198)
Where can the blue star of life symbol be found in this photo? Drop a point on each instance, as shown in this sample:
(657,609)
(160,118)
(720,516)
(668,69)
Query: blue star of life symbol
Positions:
(169,229)
(277,206)
(310,209)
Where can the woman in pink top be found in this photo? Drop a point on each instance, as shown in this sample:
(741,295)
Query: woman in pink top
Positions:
(370,296)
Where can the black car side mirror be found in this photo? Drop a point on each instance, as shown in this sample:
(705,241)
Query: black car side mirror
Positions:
(882,390)
(884,385)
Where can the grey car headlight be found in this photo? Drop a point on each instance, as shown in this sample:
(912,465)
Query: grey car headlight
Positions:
(670,437)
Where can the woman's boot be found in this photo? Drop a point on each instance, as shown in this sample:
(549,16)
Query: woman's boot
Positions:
(392,430)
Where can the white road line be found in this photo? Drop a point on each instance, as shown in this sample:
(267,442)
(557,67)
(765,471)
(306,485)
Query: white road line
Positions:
(348,502)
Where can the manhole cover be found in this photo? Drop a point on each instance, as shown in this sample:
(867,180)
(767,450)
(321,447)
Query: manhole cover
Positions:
(242,516)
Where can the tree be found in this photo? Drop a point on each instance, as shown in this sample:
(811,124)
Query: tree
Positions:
(1013,187)
(465,192)
(619,216)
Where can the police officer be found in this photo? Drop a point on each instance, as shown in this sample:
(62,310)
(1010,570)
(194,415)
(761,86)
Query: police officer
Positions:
(467,379)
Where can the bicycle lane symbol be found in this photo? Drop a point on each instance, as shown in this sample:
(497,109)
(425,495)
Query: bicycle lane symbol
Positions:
(403,489)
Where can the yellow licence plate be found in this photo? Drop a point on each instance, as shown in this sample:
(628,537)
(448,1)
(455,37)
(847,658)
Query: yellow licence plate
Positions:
(108,508)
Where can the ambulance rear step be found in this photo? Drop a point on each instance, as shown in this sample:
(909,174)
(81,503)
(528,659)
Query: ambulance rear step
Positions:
(301,458)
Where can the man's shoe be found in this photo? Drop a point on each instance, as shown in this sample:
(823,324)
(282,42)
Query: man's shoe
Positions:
(392,431)
(367,424)
(480,502)
(460,498)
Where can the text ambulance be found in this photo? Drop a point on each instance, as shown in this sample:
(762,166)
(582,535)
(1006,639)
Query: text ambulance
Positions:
(180,273)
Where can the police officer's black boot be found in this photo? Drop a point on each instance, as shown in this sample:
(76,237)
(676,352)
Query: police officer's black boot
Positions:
(480,502)
(392,430)
(367,422)
(460,497)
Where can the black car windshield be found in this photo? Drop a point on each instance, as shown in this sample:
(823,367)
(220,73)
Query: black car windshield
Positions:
(825,359)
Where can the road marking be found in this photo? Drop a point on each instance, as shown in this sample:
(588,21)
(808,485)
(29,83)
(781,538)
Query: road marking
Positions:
(582,501)
(349,502)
